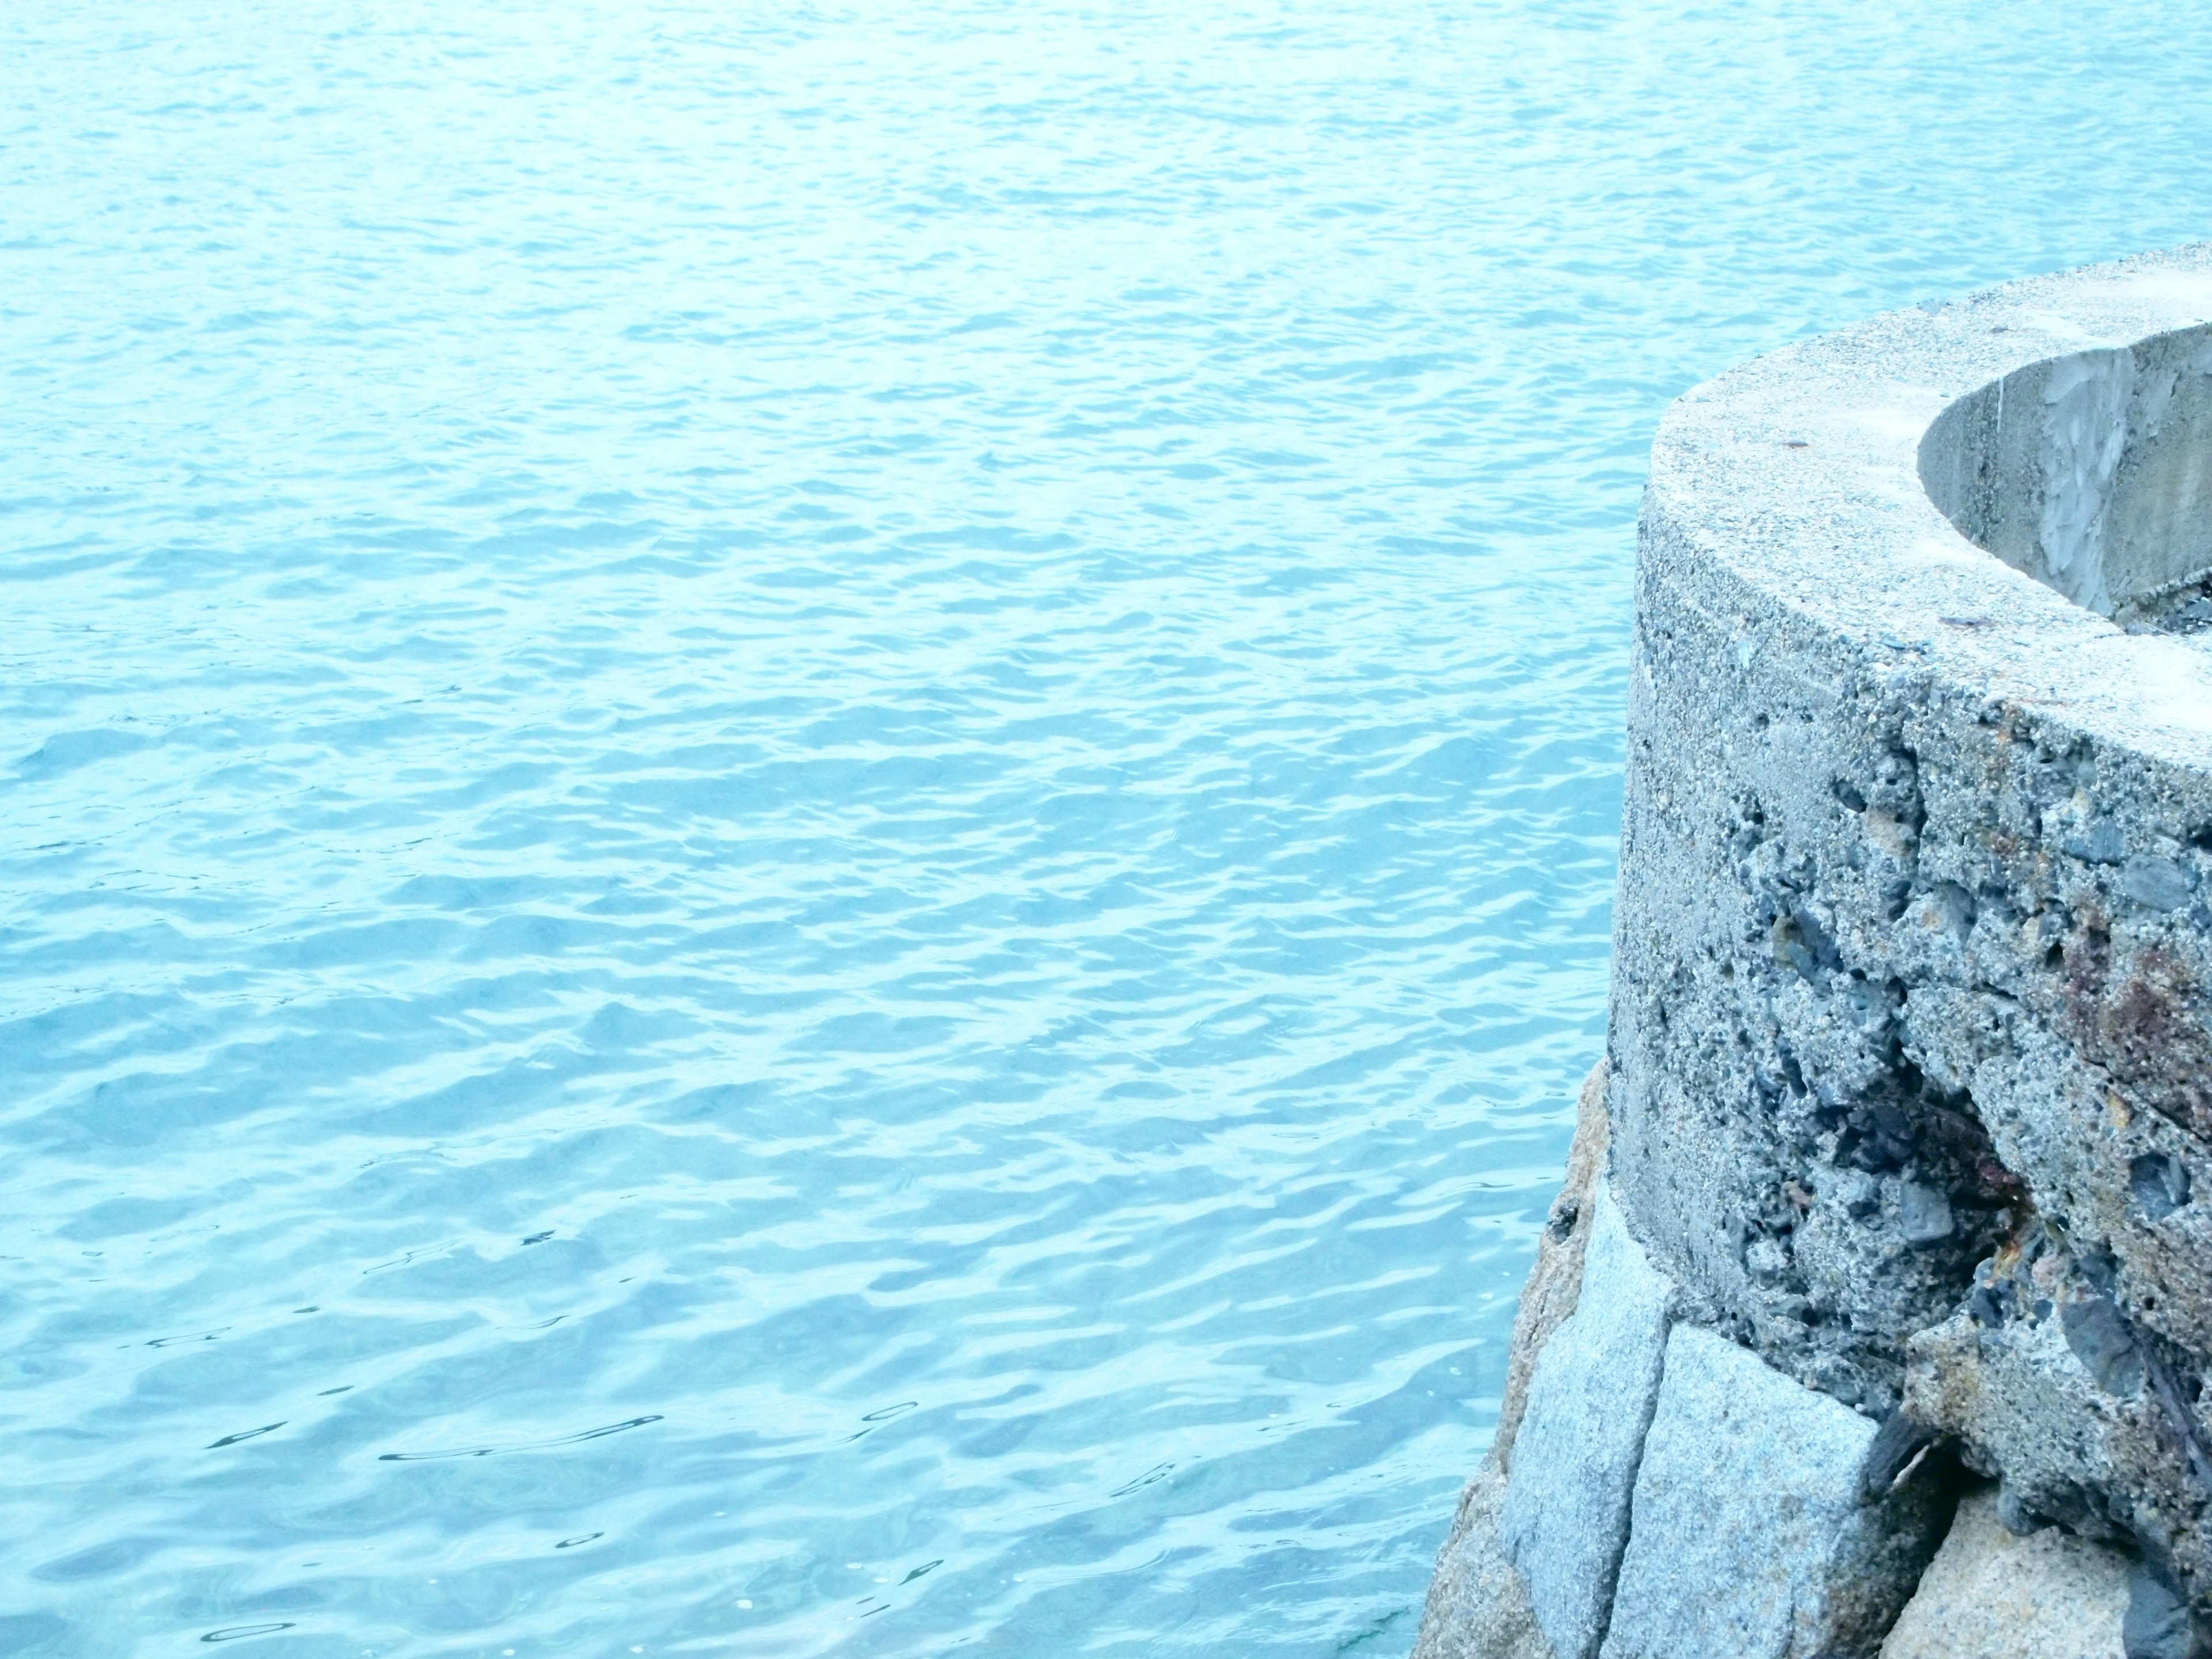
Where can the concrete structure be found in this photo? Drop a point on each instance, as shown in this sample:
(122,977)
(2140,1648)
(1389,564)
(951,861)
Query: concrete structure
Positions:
(1910,1080)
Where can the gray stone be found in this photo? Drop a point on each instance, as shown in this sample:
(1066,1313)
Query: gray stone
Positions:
(1925,1214)
(2161,883)
(2101,842)
(1478,1607)
(1749,1539)
(2101,1340)
(1991,1596)
(1564,1521)
(1554,1283)
(2157,1624)
(1478,1604)
(2159,1183)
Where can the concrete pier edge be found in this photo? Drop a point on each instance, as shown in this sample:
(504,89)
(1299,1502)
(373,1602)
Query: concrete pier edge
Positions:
(1906,1108)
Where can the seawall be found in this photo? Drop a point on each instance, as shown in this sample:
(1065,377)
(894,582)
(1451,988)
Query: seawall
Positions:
(1877,1312)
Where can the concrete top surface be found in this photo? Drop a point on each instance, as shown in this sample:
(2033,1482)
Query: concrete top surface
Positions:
(1801,473)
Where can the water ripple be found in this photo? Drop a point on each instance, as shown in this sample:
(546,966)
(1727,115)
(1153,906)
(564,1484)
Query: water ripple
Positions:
(885,739)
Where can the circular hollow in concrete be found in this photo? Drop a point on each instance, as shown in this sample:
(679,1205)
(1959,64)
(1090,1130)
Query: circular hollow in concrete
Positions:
(2091,472)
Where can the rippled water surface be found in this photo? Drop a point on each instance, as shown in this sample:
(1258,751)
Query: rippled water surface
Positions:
(807,811)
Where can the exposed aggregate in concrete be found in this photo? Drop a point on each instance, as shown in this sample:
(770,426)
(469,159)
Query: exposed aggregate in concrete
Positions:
(1911,1038)
(1910,1066)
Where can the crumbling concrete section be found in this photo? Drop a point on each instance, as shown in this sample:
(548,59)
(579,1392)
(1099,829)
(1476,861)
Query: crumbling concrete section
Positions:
(1911,1036)
(1910,1064)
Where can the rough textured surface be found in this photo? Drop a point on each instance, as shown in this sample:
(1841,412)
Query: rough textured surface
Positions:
(1478,1606)
(2158,1624)
(1991,1596)
(1911,1031)
(1909,1081)
(2044,1366)
(1749,1539)
(1566,1516)
(1555,1281)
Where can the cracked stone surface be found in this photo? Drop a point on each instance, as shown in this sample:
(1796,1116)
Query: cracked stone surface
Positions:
(1748,1538)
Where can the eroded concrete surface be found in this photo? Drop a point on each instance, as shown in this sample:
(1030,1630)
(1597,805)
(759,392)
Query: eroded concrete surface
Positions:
(1910,1055)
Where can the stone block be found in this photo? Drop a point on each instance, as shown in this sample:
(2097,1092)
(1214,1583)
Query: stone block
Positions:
(1478,1606)
(1991,1596)
(1564,1520)
(1554,1282)
(1749,1538)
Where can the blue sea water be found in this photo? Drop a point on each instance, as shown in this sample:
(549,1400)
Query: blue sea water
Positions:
(807,811)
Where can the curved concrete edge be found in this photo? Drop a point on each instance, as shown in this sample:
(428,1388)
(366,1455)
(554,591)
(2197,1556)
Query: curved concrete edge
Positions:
(1797,476)
(1911,1020)
(1910,1085)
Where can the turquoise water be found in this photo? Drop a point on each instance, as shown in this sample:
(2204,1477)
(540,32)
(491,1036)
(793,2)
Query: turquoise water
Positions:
(808,810)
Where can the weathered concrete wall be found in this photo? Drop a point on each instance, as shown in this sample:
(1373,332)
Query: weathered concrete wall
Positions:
(1911,1057)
